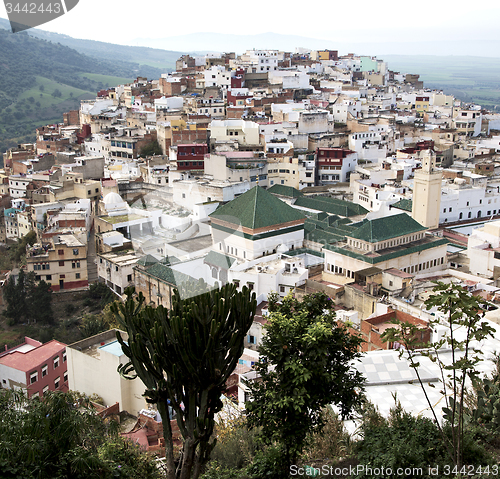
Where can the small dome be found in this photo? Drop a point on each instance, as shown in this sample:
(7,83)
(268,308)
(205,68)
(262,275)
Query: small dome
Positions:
(282,248)
(112,199)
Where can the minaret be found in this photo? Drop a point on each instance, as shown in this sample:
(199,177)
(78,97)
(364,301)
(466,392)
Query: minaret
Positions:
(427,192)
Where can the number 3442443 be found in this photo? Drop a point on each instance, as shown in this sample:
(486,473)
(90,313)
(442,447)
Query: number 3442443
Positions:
(53,7)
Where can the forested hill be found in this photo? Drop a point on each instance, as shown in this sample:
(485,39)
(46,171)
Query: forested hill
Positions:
(40,80)
(22,57)
(149,62)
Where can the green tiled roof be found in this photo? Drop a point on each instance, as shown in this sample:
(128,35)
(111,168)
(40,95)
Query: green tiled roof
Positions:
(385,228)
(170,260)
(147,260)
(168,275)
(403,204)
(333,206)
(296,252)
(283,190)
(257,208)
(388,256)
(218,259)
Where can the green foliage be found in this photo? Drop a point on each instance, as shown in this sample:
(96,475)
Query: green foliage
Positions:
(57,93)
(236,442)
(19,251)
(305,364)
(486,412)
(151,149)
(100,294)
(402,441)
(185,356)
(28,300)
(215,470)
(464,312)
(333,441)
(92,324)
(269,463)
(62,437)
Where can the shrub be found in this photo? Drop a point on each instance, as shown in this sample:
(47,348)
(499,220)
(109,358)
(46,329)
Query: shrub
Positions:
(333,442)
(406,441)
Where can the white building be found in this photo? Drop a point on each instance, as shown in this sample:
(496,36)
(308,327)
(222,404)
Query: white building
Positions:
(483,250)
(92,369)
(116,269)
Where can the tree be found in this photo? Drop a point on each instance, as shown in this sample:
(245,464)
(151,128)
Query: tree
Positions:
(92,324)
(57,93)
(15,298)
(184,357)
(61,436)
(151,149)
(460,311)
(39,300)
(305,364)
(27,299)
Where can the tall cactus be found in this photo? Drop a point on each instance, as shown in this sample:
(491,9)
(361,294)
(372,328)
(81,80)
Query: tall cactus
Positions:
(184,357)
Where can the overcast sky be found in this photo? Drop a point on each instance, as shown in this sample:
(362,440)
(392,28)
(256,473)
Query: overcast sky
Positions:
(123,21)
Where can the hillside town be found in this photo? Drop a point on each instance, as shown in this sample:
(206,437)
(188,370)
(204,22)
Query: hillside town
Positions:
(287,173)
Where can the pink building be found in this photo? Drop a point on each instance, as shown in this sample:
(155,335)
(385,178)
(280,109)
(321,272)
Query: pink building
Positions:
(35,367)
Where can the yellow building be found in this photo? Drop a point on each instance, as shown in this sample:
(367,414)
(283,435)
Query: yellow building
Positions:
(61,262)
(422,105)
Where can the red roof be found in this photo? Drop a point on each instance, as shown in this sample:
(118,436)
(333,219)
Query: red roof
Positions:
(34,358)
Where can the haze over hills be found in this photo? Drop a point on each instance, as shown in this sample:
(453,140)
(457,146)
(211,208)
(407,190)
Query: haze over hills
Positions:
(239,43)
(148,62)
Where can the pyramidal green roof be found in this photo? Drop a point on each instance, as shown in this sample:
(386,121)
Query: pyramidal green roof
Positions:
(217,259)
(284,190)
(403,204)
(257,208)
(147,260)
(388,227)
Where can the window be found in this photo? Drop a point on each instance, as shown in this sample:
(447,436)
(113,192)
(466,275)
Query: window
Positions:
(77,275)
(76,251)
(56,382)
(34,377)
(129,277)
(250,286)
(251,339)
(65,376)
(56,362)
(236,283)
(282,289)
(64,357)
(390,283)
(45,390)
(60,252)
(61,263)
(44,371)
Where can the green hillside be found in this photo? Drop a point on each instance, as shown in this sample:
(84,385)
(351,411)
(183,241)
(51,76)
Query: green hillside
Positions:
(149,62)
(39,81)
